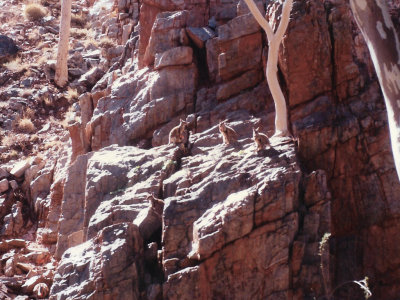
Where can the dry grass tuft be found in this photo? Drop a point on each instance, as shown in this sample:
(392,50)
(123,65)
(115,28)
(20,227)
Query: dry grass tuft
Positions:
(90,39)
(16,65)
(79,33)
(8,140)
(78,20)
(25,125)
(34,12)
(11,155)
(48,102)
(43,59)
(72,95)
(106,43)
(34,138)
(69,118)
(29,113)
(52,144)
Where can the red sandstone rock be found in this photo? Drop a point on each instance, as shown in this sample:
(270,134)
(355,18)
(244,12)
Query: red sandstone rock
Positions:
(3,185)
(235,86)
(80,144)
(166,33)
(147,17)
(235,223)
(200,35)
(174,57)
(306,56)
(119,247)
(19,169)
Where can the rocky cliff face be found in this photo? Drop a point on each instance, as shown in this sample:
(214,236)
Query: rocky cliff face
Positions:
(123,215)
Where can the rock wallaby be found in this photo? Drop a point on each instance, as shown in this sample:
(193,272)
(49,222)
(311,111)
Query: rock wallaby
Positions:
(229,135)
(178,134)
(260,139)
(156,204)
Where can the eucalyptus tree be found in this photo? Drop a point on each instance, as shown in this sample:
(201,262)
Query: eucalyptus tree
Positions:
(375,23)
(274,41)
(61,76)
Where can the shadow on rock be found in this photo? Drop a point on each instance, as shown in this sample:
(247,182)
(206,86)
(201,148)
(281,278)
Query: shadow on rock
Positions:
(270,152)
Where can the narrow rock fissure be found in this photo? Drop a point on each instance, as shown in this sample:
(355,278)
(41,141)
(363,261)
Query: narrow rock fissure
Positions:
(328,7)
(200,58)
(302,210)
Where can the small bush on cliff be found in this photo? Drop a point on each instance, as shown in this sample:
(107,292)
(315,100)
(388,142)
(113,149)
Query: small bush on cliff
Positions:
(72,95)
(25,125)
(34,12)
(106,43)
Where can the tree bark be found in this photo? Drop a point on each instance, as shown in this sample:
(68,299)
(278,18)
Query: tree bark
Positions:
(375,23)
(274,41)
(61,76)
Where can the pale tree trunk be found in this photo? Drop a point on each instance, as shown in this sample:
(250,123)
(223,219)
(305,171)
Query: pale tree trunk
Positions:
(61,77)
(274,41)
(375,23)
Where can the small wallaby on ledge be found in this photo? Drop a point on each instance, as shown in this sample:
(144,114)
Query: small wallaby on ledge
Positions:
(178,134)
(260,139)
(229,135)
(156,204)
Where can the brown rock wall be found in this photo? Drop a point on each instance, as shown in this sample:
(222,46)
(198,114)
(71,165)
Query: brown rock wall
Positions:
(238,224)
(345,133)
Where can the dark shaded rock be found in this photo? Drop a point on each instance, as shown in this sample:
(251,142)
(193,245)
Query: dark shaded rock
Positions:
(8,48)
(200,35)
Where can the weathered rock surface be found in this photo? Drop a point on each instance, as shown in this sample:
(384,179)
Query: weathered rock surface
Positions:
(19,169)
(174,57)
(200,35)
(233,203)
(223,195)
(13,222)
(109,265)
(344,132)
(167,32)
(99,187)
(230,222)
(141,101)
(3,185)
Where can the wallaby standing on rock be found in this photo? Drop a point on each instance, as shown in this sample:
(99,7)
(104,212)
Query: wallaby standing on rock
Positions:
(260,139)
(229,135)
(178,133)
(156,204)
